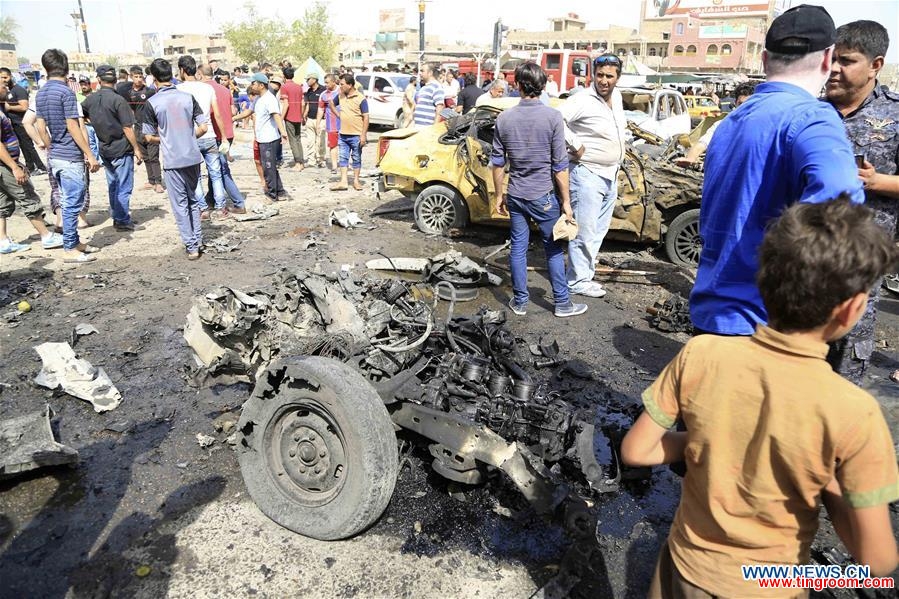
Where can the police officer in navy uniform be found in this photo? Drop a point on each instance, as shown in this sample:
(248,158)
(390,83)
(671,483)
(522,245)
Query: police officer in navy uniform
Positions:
(871,115)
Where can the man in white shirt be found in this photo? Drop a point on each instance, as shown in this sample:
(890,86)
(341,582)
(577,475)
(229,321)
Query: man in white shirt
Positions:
(205,97)
(552,88)
(270,134)
(594,131)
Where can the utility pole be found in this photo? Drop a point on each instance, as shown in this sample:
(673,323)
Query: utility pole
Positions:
(421,26)
(87,46)
(421,35)
(76,18)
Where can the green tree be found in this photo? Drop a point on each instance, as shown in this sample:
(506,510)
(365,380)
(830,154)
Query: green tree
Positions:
(112,60)
(258,39)
(312,36)
(8,28)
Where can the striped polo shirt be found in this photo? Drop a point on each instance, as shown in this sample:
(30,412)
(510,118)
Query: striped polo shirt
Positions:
(426,103)
(173,113)
(55,103)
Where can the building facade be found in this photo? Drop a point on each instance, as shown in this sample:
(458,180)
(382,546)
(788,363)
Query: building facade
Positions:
(712,36)
(203,47)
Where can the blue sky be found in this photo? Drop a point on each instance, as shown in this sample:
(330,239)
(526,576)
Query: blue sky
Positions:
(116,25)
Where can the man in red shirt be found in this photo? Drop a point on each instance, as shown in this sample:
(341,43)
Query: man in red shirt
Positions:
(292,111)
(225,102)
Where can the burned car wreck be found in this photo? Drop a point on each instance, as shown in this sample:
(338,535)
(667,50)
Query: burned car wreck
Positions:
(445,170)
(341,363)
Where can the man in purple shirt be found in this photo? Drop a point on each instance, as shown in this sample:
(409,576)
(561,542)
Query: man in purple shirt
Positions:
(531,138)
(174,119)
(59,126)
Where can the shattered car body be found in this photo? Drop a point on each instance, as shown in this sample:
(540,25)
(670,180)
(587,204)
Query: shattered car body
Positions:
(445,170)
(316,440)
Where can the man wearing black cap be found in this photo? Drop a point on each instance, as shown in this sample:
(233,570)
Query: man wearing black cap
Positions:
(113,122)
(780,147)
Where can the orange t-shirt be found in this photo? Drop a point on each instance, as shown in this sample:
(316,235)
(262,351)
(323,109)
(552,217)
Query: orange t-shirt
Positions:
(769,425)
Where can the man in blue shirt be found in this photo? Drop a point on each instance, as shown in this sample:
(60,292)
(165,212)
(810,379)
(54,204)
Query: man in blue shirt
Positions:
(174,119)
(780,147)
(59,126)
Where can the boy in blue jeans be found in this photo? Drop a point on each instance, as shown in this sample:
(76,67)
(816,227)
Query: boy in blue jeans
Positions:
(772,431)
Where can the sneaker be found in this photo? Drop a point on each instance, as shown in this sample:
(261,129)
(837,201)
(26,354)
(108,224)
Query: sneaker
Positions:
(38,172)
(521,310)
(8,246)
(51,241)
(126,227)
(589,289)
(193,255)
(570,309)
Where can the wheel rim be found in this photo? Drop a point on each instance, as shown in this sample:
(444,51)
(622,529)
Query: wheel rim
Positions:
(688,243)
(307,453)
(437,212)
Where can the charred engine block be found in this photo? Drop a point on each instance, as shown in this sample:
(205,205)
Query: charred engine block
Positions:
(476,388)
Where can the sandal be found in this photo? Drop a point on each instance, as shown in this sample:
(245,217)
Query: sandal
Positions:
(339,188)
(357,187)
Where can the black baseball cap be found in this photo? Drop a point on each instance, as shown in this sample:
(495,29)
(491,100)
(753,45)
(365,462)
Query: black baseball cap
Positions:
(802,29)
(84,79)
(107,71)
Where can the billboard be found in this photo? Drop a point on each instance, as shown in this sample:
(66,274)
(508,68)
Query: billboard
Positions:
(722,31)
(666,9)
(392,20)
(151,45)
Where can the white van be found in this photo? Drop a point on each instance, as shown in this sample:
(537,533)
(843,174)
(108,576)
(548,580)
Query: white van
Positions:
(660,111)
(384,91)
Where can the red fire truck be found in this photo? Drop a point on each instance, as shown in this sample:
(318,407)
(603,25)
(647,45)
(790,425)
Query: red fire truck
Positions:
(568,67)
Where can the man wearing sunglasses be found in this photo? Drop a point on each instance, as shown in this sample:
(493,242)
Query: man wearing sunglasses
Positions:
(594,132)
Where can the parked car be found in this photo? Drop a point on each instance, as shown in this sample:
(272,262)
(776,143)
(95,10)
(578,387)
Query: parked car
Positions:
(662,111)
(445,170)
(385,96)
(701,107)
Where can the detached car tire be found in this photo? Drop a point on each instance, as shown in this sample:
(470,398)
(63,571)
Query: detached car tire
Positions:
(682,241)
(438,209)
(317,448)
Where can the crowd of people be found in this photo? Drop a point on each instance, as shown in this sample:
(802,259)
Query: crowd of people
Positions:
(173,118)
(760,411)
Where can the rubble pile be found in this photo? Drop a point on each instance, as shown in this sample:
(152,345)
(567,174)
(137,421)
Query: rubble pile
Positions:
(430,371)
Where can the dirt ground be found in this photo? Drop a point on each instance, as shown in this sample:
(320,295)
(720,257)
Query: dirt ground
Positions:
(148,513)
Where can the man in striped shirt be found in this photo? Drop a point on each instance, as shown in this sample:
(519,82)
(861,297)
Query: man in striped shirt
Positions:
(429,101)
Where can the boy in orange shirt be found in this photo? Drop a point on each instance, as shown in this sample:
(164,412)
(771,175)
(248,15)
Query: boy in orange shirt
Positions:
(772,431)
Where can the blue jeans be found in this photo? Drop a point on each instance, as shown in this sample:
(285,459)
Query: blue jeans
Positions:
(70,179)
(544,211)
(120,181)
(348,146)
(228,182)
(593,202)
(210,151)
(92,141)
